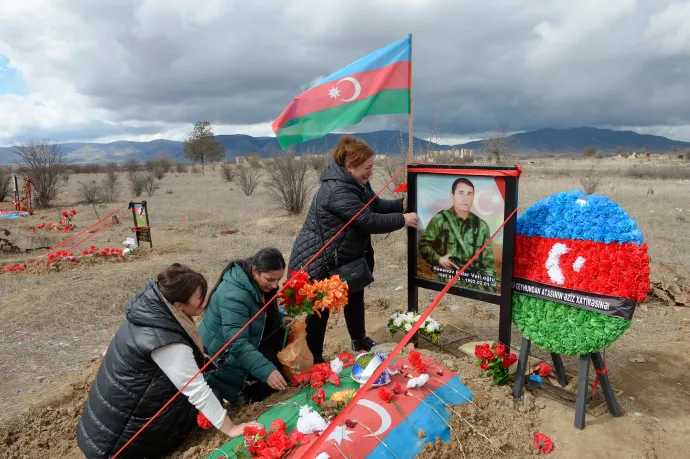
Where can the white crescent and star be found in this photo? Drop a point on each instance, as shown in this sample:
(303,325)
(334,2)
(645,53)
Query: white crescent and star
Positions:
(334,92)
(341,433)
(553,263)
(495,199)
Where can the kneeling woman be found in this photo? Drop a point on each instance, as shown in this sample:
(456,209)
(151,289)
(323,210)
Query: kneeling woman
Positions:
(249,368)
(154,353)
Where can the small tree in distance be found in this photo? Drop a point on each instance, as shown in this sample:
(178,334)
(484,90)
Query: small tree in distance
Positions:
(201,145)
(45,163)
(497,147)
(590,152)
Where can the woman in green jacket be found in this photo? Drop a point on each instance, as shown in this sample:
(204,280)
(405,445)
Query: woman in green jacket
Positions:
(249,367)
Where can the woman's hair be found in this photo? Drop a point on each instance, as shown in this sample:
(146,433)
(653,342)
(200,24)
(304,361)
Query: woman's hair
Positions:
(178,283)
(351,150)
(265,260)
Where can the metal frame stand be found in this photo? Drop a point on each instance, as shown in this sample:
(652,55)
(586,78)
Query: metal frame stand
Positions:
(582,381)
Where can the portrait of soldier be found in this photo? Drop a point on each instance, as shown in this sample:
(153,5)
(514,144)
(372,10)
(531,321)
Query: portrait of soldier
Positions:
(454,235)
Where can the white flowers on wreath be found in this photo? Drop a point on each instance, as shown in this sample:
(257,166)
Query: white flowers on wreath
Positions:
(405,320)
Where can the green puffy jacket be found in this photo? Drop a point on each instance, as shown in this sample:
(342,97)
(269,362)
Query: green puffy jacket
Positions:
(236,300)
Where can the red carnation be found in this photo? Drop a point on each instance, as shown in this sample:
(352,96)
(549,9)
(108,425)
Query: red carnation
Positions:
(385,394)
(279,424)
(297,438)
(500,350)
(396,389)
(319,397)
(543,443)
(415,357)
(203,422)
(544,369)
(334,379)
(347,359)
(509,360)
(250,431)
(350,424)
(277,439)
(421,368)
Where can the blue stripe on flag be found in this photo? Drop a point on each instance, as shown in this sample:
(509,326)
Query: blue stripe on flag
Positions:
(406,444)
(395,52)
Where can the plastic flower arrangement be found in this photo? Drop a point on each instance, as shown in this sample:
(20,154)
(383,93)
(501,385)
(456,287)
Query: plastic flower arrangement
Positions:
(495,362)
(301,295)
(404,322)
(585,267)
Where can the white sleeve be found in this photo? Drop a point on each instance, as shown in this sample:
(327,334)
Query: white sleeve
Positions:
(177,362)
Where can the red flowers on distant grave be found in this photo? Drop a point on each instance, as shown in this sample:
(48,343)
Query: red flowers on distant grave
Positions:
(64,225)
(495,362)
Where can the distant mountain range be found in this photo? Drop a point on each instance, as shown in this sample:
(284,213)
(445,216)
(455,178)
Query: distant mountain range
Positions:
(543,141)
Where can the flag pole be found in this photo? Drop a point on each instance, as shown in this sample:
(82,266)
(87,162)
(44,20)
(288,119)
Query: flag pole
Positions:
(409,115)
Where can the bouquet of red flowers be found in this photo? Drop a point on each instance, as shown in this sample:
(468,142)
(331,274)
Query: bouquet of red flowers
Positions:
(495,361)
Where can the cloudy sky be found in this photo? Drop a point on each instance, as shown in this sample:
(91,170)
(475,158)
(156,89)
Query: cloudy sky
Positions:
(83,70)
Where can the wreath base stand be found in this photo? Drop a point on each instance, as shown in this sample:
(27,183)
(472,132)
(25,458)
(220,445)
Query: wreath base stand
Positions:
(582,381)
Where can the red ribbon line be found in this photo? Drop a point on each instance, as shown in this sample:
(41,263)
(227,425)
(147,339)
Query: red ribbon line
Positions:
(603,371)
(489,173)
(340,419)
(222,349)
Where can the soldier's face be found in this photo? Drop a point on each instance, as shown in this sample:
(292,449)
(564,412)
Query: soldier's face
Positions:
(463,197)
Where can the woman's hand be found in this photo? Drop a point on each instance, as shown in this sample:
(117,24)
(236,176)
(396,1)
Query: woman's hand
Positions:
(235,430)
(276,381)
(411,220)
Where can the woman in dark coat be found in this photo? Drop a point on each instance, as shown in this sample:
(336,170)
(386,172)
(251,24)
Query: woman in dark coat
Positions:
(344,191)
(154,354)
(249,367)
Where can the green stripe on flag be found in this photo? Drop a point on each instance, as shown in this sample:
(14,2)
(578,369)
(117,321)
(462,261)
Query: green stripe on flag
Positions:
(318,124)
(288,411)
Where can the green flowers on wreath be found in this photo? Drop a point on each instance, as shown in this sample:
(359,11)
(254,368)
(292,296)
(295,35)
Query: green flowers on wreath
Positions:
(405,321)
(495,362)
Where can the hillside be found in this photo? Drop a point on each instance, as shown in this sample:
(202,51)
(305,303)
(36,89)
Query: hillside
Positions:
(552,141)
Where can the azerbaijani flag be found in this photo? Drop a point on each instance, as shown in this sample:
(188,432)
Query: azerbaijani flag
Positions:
(398,429)
(377,84)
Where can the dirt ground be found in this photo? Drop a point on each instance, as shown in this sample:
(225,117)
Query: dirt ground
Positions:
(54,324)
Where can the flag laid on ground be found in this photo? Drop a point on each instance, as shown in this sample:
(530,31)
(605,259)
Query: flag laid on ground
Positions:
(377,84)
(382,418)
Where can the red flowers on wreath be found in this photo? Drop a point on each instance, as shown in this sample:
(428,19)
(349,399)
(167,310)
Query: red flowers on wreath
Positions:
(495,362)
(543,443)
(203,422)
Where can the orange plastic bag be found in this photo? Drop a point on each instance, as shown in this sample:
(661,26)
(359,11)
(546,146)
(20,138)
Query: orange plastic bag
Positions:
(296,356)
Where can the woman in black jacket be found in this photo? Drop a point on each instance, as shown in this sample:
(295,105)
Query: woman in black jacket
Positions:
(156,351)
(344,191)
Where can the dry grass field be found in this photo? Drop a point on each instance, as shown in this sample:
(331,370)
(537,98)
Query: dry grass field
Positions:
(55,325)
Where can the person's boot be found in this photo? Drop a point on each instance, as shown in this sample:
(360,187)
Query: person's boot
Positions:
(363,344)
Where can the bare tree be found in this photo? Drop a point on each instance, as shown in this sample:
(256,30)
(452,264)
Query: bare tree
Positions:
(150,184)
(45,163)
(248,178)
(131,166)
(227,172)
(201,145)
(590,182)
(288,182)
(590,152)
(137,182)
(316,161)
(180,168)
(5,181)
(496,147)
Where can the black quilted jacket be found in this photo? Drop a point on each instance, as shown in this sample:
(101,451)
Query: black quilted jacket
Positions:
(338,199)
(130,387)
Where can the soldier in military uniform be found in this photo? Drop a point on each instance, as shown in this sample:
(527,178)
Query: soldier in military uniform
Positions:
(454,235)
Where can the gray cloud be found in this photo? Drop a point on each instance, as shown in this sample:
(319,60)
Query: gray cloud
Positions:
(477,66)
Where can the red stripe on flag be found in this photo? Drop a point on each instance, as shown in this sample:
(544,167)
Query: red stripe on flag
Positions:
(394,76)
(361,443)
(605,270)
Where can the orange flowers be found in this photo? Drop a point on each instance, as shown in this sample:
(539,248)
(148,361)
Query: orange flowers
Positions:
(300,295)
